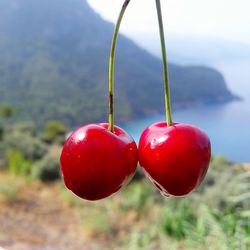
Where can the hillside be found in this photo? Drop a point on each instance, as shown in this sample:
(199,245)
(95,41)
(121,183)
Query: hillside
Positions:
(54,62)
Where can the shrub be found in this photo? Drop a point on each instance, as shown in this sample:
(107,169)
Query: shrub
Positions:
(31,147)
(1,131)
(54,132)
(178,219)
(136,196)
(47,169)
(24,128)
(16,162)
(6,110)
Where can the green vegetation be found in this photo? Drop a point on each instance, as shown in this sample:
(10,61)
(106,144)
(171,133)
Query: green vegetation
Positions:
(56,67)
(6,110)
(48,168)
(54,132)
(17,164)
(27,152)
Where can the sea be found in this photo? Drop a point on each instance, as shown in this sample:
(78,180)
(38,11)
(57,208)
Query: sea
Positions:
(228,124)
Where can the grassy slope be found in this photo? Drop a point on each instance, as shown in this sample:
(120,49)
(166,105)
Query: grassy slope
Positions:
(135,218)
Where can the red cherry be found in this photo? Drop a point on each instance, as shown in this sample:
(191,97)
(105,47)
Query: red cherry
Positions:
(96,163)
(174,158)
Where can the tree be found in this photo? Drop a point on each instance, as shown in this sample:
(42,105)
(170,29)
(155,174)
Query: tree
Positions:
(54,131)
(6,111)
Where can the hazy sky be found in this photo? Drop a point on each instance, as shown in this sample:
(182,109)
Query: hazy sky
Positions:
(227,19)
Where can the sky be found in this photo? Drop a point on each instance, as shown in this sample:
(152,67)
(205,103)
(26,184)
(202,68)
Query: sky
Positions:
(223,19)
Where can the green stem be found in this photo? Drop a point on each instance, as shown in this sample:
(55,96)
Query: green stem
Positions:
(111,66)
(165,65)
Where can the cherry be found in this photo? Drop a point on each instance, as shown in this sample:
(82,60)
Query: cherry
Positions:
(96,163)
(98,159)
(175,158)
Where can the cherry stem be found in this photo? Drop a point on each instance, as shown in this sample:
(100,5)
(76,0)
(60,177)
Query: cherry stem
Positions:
(111,66)
(165,65)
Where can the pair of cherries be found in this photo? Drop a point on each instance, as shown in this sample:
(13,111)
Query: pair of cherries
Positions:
(98,159)
(96,162)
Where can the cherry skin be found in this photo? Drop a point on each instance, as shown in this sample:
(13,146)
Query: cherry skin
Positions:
(96,163)
(175,158)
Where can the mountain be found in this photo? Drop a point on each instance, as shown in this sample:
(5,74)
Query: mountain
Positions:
(54,64)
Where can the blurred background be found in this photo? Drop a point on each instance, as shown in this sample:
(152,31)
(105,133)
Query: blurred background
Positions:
(53,79)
